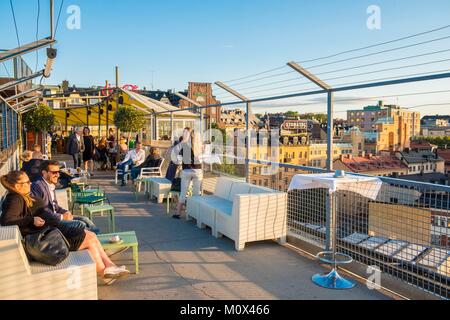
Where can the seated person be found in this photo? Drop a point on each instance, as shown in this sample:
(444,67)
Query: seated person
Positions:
(134,158)
(32,167)
(37,152)
(23,210)
(152,161)
(44,188)
(102,154)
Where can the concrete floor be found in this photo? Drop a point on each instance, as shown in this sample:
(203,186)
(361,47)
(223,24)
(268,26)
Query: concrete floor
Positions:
(178,261)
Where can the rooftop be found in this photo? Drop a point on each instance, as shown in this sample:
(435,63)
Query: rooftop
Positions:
(179,261)
(419,156)
(371,163)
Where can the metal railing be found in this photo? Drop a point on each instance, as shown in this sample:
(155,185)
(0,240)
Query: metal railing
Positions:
(404,232)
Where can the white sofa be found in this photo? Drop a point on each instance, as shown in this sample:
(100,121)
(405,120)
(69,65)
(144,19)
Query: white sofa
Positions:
(73,279)
(241,212)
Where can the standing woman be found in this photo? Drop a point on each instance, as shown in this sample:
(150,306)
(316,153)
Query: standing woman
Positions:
(190,150)
(89,150)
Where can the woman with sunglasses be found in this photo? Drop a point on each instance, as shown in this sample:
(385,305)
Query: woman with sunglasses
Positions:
(21,209)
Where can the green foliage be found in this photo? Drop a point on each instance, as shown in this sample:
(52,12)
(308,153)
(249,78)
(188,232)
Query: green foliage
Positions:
(321,117)
(129,119)
(39,119)
(441,142)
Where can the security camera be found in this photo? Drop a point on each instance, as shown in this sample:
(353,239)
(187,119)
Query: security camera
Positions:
(51,55)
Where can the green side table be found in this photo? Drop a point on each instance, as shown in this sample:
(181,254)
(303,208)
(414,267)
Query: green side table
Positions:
(129,241)
(101,209)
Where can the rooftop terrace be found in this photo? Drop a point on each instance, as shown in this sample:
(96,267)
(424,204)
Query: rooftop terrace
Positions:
(180,261)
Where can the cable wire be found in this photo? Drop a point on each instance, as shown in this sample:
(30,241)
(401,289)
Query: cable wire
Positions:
(37,32)
(353,75)
(343,52)
(361,82)
(346,69)
(15,22)
(59,15)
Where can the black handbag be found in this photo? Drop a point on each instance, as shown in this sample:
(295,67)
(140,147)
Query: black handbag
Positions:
(176,185)
(49,246)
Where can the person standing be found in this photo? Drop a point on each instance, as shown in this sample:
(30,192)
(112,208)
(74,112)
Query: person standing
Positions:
(112,148)
(89,151)
(190,150)
(76,147)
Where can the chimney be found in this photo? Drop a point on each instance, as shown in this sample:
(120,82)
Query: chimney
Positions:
(363,154)
(370,156)
(350,156)
(342,157)
(381,103)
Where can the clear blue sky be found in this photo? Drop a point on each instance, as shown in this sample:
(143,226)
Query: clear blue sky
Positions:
(209,40)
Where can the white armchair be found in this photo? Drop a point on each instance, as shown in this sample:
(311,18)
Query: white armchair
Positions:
(149,173)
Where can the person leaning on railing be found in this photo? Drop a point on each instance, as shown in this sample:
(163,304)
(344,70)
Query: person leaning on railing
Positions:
(190,151)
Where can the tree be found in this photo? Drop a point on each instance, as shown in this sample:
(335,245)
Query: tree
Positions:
(291,114)
(129,119)
(40,119)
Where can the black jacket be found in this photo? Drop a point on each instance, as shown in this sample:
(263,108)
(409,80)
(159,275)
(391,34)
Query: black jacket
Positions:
(16,213)
(151,162)
(33,169)
(73,147)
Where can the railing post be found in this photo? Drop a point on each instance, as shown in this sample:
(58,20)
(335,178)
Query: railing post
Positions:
(247,142)
(171,128)
(330,130)
(331,199)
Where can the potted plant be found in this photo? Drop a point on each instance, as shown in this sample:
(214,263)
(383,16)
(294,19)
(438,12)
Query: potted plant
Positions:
(39,120)
(129,119)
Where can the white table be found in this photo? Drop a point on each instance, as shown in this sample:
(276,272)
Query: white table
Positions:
(366,186)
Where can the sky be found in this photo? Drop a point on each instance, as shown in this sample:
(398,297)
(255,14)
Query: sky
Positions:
(165,44)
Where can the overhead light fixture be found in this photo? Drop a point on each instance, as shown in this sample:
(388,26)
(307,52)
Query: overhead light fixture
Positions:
(51,56)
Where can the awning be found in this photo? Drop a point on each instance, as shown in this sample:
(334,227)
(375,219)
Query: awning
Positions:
(78,115)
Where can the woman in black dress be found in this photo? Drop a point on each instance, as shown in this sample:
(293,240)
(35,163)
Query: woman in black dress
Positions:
(20,209)
(89,150)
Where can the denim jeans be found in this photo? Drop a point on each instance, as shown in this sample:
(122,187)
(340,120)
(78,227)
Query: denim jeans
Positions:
(122,166)
(89,225)
(135,172)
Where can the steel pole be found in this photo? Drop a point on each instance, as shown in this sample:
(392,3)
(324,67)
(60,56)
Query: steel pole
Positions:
(330,131)
(247,143)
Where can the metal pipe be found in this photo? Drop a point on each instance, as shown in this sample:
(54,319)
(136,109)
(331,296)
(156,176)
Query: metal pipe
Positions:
(330,131)
(310,93)
(247,142)
(52,18)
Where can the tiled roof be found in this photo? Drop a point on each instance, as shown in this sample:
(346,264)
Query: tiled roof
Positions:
(420,156)
(375,163)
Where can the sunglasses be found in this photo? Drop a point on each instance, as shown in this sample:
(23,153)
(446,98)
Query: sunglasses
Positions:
(27,182)
(55,172)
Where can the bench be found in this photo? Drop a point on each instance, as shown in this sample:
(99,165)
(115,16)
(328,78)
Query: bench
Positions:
(73,279)
(241,212)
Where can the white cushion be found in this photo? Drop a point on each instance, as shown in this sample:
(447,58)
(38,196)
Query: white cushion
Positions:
(239,188)
(258,190)
(223,188)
